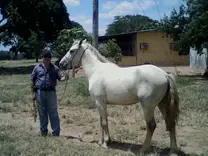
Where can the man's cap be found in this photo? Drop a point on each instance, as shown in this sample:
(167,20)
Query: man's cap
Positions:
(47,53)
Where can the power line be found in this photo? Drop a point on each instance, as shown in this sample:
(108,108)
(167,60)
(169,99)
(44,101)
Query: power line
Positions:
(157,9)
(141,7)
(166,39)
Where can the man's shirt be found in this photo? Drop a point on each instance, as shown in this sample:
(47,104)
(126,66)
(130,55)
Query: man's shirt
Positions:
(46,78)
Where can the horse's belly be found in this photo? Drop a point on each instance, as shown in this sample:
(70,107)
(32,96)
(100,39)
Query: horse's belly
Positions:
(121,98)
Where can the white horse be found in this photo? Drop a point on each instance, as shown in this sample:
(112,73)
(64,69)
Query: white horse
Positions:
(111,84)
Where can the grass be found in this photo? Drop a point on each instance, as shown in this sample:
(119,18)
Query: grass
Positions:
(19,140)
(79,118)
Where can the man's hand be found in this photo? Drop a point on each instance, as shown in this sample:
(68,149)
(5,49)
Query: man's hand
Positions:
(33,97)
(66,77)
(32,90)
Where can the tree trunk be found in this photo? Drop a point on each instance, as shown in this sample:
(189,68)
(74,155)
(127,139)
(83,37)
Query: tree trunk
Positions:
(36,59)
(206,71)
(95,24)
(15,55)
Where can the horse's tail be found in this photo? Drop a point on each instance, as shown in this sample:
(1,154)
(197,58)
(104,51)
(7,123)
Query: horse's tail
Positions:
(172,108)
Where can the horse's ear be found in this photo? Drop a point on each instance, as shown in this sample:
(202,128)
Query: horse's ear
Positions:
(80,42)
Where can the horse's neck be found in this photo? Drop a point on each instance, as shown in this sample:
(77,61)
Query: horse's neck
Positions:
(89,63)
(98,55)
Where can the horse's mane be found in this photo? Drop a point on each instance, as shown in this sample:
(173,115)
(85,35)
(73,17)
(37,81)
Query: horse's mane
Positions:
(98,54)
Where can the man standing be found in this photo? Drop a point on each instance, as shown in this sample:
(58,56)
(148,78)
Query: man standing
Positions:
(44,79)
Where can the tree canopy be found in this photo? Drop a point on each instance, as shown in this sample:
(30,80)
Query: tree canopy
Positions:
(28,25)
(129,23)
(22,17)
(189,26)
(65,40)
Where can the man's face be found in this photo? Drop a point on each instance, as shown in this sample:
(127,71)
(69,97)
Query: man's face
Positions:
(47,59)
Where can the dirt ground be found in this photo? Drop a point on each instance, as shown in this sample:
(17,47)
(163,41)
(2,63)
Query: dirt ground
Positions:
(82,127)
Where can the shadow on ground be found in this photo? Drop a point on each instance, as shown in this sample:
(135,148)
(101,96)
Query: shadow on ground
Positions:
(134,148)
(16,70)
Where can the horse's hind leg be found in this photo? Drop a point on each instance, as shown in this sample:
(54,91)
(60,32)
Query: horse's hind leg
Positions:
(102,109)
(170,125)
(148,110)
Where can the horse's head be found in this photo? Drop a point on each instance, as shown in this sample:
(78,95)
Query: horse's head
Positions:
(73,56)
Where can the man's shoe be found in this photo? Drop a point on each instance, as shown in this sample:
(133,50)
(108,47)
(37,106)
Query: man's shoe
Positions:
(43,134)
(54,134)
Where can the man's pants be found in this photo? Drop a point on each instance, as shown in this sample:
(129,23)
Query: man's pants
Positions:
(47,107)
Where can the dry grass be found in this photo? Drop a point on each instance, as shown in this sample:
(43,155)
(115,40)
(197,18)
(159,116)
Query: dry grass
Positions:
(79,119)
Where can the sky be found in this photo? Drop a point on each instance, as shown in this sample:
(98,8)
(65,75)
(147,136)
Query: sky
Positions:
(81,11)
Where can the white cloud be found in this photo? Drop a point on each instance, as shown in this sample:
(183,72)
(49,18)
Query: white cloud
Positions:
(127,7)
(71,2)
(102,31)
(86,22)
(108,5)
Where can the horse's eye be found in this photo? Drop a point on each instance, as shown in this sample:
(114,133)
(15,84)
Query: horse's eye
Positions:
(72,51)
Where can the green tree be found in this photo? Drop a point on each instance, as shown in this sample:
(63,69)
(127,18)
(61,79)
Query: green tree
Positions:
(46,18)
(129,23)
(65,40)
(175,25)
(189,26)
(111,49)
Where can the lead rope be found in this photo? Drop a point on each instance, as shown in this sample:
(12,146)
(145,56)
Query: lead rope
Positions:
(59,101)
(66,82)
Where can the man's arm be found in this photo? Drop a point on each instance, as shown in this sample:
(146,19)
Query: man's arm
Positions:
(60,75)
(32,85)
(33,90)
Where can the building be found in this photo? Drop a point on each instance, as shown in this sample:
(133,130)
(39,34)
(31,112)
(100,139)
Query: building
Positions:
(149,46)
(198,60)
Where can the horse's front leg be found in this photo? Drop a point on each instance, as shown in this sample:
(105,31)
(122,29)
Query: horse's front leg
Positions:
(105,137)
(101,131)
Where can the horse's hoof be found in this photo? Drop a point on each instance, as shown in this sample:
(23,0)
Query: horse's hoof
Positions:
(100,143)
(108,141)
(145,150)
(174,150)
(104,145)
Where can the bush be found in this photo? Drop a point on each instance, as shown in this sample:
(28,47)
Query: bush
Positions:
(5,55)
(80,87)
(111,49)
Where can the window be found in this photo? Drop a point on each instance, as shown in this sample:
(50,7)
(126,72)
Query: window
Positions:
(172,46)
(128,52)
(143,46)
(185,51)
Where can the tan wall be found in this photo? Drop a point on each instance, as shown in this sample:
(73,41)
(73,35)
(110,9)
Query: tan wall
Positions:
(126,61)
(158,51)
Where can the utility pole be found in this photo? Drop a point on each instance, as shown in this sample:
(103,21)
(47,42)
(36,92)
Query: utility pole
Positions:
(95,24)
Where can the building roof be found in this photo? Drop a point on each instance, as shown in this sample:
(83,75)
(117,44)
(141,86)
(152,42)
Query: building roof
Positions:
(124,34)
